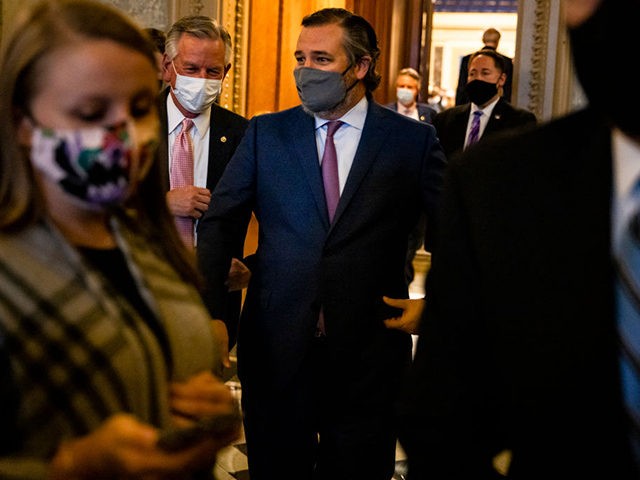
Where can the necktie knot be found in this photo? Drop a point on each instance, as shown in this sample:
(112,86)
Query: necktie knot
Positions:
(187,123)
(332,127)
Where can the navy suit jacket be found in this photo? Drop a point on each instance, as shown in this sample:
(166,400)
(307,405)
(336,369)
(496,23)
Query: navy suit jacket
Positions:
(227,129)
(303,262)
(451,123)
(425,112)
(518,348)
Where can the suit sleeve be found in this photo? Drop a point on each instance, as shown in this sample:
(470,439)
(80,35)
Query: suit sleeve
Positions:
(223,225)
(434,167)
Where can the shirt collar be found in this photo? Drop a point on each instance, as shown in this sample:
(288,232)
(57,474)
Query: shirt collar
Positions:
(354,117)
(486,110)
(175,117)
(402,108)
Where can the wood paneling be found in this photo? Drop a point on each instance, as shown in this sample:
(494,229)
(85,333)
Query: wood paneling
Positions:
(263,56)
(398,25)
(274,29)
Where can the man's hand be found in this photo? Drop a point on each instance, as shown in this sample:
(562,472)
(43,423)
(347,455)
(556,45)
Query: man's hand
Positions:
(189,201)
(411,314)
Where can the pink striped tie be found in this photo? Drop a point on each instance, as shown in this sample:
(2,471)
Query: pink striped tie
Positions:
(181,175)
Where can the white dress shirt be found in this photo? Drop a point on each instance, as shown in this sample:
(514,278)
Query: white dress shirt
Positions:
(346,138)
(199,139)
(484,119)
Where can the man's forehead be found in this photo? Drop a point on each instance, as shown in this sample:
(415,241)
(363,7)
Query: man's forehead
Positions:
(320,39)
(482,61)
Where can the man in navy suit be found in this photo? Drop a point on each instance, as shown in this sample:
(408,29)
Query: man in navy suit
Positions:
(408,83)
(490,39)
(484,87)
(318,367)
(196,60)
(518,354)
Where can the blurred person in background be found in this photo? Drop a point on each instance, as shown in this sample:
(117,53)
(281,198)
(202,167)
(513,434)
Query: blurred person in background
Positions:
(408,83)
(485,84)
(490,39)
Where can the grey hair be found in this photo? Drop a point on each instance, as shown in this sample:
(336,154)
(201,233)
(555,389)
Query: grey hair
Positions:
(199,26)
(411,72)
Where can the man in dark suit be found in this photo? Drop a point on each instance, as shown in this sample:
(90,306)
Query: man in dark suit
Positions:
(519,351)
(319,369)
(408,83)
(196,60)
(484,84)
(490,39)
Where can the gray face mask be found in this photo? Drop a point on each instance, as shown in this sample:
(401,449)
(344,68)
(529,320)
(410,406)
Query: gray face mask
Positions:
(320,90)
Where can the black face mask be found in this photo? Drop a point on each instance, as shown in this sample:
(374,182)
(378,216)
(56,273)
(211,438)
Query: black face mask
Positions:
(600,49)
(480,92)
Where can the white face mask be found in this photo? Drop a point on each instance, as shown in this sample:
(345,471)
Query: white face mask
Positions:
(196,94)
(405,96)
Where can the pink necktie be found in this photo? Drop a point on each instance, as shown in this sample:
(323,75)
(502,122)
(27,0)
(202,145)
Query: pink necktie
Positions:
(330,169)
(474,134)
(181,175)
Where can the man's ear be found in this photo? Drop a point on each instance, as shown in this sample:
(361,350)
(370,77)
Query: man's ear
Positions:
(502,79)
(167,69)
(362,67)
(226,70)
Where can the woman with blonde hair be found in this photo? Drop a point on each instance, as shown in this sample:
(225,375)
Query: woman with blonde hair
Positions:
(104,340)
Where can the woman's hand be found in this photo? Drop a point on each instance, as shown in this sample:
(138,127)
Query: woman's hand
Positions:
(125,448)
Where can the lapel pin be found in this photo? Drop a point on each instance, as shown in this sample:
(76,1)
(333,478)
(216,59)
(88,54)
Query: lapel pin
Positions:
(223,139)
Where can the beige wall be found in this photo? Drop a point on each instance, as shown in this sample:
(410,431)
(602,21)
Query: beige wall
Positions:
(457,34)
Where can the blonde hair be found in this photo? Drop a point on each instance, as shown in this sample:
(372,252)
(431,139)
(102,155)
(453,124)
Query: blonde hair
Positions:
(410,72)
(38,31)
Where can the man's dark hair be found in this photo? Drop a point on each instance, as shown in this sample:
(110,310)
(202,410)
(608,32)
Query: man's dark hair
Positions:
(360,38)
(498,61)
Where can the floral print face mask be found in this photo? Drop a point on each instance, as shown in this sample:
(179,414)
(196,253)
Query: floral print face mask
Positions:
(98,165)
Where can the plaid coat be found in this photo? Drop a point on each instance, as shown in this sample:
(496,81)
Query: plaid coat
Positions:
(78,351)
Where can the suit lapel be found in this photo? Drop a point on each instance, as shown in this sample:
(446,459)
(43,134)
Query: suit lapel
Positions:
(373,137)
(459,133)
(497,117)
(302,139)
(219,146)
(162,154)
